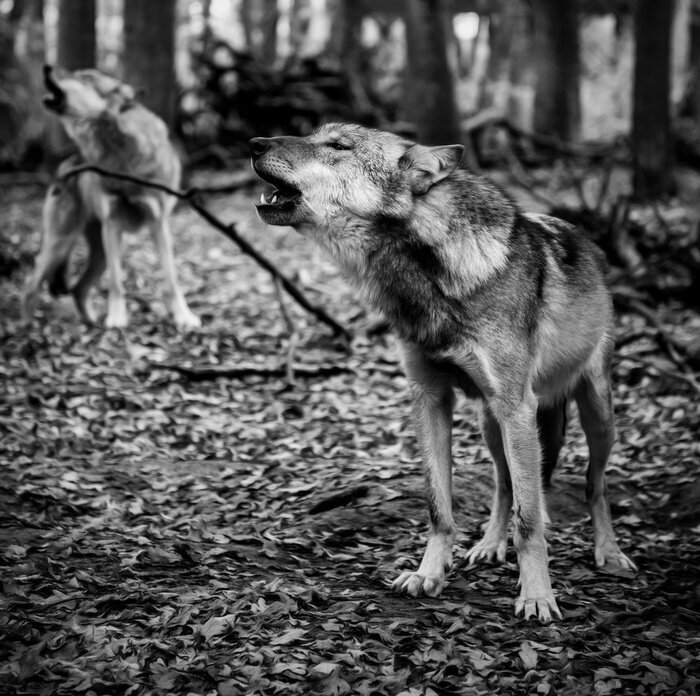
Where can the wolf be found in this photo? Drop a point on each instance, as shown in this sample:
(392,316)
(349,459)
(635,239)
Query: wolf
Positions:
(113,130)
(512,308)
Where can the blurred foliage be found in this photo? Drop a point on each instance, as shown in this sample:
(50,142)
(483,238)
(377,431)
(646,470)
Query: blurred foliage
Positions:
(237,97)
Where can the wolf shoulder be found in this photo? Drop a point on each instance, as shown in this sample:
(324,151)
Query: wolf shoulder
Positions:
(567,245)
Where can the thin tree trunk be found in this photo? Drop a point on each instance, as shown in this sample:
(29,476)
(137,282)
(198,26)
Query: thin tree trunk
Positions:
(501,34)
(651,119)
(149,53)
(268,26)
(695,63)
(428,80)
(76,34)
(522,74)
(246,15)
(557,65)
(300,22)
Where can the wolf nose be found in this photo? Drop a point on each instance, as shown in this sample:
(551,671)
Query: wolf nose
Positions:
(259,146)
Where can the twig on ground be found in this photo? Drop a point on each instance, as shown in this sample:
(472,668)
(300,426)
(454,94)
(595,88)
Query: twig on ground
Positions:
(203,374)
(293,333)
(663,336)
(339,499)
(690,380)
(229,231)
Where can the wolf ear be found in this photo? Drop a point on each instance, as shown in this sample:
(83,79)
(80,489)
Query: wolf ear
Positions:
(426,166)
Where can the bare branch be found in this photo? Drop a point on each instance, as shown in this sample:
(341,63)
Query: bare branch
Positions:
(229,231)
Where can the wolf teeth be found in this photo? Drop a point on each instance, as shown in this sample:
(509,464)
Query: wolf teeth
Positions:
(268,201)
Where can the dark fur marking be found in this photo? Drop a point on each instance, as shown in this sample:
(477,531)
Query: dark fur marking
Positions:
(524,529)
(571,245)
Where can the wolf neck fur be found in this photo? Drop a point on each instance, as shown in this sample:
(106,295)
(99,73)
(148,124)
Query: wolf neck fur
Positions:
(418,265)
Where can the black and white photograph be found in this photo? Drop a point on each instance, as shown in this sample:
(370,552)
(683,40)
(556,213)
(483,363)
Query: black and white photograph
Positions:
(349,347)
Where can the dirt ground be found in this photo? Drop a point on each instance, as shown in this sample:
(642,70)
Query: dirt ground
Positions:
(166,535)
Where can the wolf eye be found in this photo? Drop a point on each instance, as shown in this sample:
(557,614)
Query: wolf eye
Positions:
(339,146)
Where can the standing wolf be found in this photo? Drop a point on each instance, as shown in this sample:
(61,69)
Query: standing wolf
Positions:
(509,307)
(114,131)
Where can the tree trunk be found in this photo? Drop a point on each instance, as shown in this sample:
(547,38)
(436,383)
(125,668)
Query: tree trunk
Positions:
(268,27)
(246,11)
(428,79)
(300,23)
(651,119)
(694,97)
(76,34)
(501,34)
(149,53)
(29,49)
(557,66)
(522,74)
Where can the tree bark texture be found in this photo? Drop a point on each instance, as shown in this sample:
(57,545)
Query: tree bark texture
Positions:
(557,66)
(428,79)
(76,34)
(149,53)
(651,118)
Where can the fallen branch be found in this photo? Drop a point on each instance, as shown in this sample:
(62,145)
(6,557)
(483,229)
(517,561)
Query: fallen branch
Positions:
(229,231)
(202,374)
(341,499)
(663,336)
(688,379)
(293,334)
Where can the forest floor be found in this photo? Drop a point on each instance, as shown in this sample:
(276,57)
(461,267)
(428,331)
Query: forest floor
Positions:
(163,535)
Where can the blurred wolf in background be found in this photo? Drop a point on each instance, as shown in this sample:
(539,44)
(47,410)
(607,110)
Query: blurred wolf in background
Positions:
(114,131)
(511,308)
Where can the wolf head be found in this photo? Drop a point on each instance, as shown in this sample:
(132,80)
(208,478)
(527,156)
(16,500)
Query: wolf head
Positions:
(84,93)
(345,172)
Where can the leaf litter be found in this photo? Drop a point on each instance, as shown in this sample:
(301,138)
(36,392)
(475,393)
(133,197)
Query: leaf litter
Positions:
(237,536)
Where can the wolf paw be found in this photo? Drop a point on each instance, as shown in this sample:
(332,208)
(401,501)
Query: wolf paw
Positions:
(488,549)
(413,583)
(116,319)
(541,607)
(187,320)
(609,554)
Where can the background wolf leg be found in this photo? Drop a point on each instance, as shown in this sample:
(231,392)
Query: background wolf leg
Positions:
(594,399)
(519,427)
(432,413)
(183,316)
(551,424)
(62,223)
(94,269)
(495,540)
(116,302)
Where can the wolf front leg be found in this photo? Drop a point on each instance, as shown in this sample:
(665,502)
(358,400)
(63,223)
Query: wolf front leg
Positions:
(519,427)
(182,314)
(117,317)
(433,400)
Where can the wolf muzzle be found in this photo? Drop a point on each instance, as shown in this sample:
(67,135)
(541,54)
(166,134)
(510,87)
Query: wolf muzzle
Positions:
(55,100)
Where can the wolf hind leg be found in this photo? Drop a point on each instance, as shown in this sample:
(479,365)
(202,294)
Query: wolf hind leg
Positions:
(96,264)
(594,399)
(495,540)
(551,425)
(63,221)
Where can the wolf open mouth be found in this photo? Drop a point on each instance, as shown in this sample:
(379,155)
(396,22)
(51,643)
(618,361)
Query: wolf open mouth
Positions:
(56,97)
(284,196)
